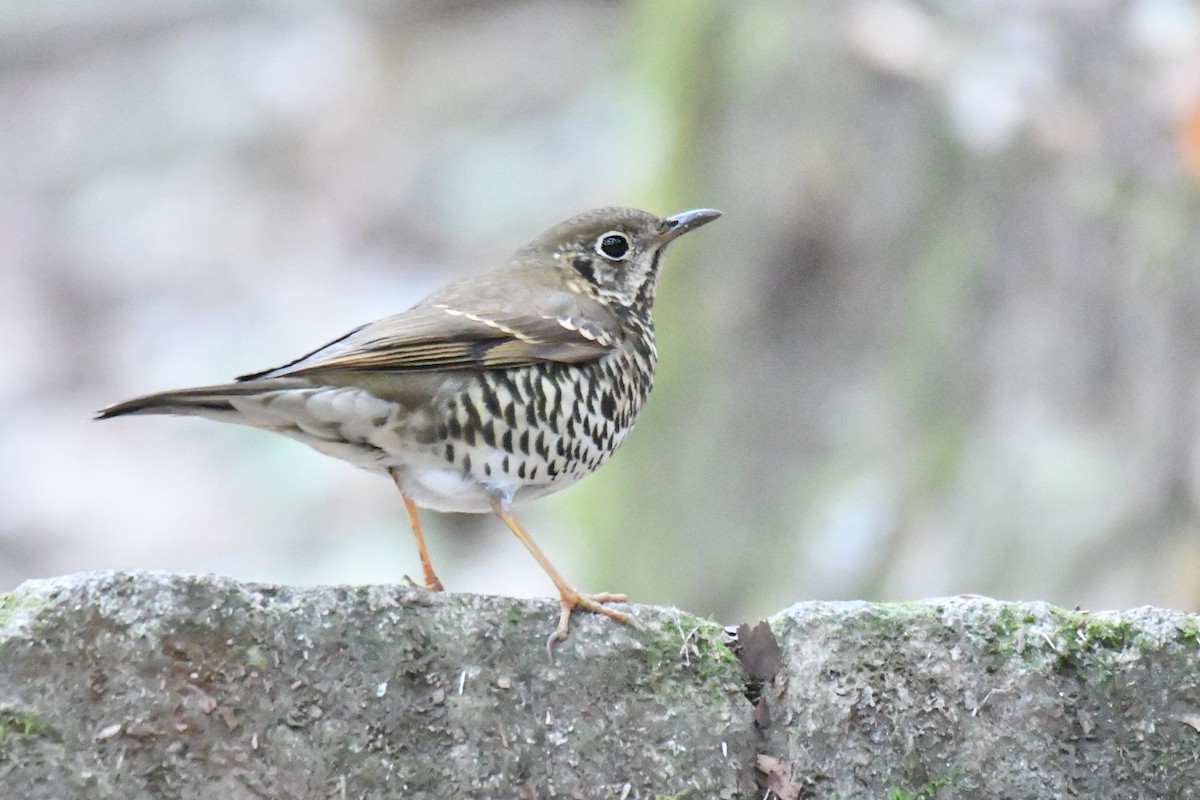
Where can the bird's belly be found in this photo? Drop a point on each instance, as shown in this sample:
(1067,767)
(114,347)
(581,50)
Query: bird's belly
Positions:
(448,489)
(445,489)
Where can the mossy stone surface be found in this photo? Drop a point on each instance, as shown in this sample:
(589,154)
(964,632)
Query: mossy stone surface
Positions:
(969,697)
(146,685)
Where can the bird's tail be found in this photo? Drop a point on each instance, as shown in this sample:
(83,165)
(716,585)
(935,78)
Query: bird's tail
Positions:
(213,402)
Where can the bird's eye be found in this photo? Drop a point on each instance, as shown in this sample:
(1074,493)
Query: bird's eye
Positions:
(613,245)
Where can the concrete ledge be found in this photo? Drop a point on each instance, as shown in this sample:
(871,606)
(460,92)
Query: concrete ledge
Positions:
(146,685)
(978,698)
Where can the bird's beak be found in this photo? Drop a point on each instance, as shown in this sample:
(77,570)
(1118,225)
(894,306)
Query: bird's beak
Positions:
(679,224)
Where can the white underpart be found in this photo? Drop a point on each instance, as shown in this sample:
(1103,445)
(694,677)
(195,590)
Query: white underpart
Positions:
(353,425)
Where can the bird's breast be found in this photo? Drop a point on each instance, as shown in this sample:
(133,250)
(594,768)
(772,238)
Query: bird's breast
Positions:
(528,431)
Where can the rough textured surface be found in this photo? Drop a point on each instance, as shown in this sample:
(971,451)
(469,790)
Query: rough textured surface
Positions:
(977,698)
(146,685)
(143,685)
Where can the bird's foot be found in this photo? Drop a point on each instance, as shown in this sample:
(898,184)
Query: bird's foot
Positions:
(572,599)
(430,586)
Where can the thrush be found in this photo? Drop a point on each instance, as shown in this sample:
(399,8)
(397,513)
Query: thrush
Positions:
(497,389)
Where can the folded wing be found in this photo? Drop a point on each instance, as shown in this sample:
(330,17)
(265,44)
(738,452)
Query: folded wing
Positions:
(470,325)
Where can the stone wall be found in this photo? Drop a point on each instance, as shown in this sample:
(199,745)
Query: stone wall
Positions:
(148,685)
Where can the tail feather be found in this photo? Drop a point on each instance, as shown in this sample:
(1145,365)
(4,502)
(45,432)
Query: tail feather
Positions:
(204,401)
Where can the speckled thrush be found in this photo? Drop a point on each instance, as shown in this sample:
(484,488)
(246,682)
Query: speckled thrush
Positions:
(502,387)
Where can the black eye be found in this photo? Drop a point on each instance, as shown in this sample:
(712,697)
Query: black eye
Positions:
(613,245)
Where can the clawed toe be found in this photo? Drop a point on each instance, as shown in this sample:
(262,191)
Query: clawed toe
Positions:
(605,597)
(571,600)
(435,586)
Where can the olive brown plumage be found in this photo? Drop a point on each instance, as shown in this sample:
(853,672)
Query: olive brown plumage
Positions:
(499,388)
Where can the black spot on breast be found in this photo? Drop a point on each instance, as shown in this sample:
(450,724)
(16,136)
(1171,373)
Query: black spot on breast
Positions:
(506,441)
(608,406)
(473,422)
(450,452)
(539,392)
(466,465)
(473,418)
(490,401)
(489,433)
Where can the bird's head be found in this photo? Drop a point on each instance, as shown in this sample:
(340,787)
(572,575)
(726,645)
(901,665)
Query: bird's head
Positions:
(613,253)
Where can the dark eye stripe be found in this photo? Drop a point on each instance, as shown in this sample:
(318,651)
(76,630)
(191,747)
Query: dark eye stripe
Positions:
(584,267)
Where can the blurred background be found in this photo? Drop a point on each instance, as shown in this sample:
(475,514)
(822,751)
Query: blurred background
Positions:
(945,340)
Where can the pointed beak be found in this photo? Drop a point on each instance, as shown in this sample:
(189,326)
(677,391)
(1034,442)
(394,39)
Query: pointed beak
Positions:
(679,224)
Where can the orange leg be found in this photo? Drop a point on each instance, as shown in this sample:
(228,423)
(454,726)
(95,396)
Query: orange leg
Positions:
(431,579)
(571,598)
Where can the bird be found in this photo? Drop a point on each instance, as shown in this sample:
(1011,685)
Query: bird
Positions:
(496,389)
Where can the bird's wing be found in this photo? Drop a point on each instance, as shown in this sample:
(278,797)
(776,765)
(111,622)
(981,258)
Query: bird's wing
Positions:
(471,324)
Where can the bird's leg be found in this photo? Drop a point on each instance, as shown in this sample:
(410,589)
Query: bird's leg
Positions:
(571,598)
(431,579)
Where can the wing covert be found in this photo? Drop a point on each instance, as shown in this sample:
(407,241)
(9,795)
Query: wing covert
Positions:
(441,335)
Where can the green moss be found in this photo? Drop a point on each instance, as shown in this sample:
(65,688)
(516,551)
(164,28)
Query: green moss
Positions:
(12,602)
(928,791)
(1108,634)
(25,726)
(516,615)
(1004,639)
(688,644)
(1011,619)
(1188,631)
(255,658)
(1067,639)
(897,619)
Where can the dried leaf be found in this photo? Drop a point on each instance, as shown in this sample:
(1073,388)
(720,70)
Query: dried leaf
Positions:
(777,778)
(759,652)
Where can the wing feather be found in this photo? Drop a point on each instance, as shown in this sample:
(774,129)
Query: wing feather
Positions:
(448,332)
